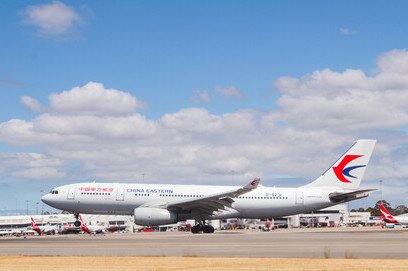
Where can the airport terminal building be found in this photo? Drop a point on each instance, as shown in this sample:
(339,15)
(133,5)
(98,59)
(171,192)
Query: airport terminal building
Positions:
(24,221)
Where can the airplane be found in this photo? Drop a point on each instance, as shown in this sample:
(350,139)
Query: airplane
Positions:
(389,218)
(47,229)
(91,229)
(161,204)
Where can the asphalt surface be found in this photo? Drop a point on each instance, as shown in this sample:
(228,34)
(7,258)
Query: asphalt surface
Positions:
(333,243)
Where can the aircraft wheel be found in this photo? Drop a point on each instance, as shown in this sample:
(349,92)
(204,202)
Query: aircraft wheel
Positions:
(196,229)
(208,229)
(77,223)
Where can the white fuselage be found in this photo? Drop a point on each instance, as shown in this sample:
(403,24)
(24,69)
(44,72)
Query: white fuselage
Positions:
(48,229)
(123,198)
(402,219)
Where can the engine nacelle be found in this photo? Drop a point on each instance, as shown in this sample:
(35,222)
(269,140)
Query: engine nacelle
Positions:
(147,216)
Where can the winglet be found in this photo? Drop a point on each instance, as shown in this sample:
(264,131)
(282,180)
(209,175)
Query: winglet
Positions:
(253,184)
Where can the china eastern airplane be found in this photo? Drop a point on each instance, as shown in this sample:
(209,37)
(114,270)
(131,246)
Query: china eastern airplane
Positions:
(389,218)
(161,204)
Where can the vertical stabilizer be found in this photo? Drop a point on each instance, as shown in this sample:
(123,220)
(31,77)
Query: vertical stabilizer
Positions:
(33,223)
(348,171)
(35,227)
(386,216)
(84,228)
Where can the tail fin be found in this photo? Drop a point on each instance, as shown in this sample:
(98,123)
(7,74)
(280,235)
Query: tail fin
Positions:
(83,226)
(35,227)
(348,170)
(386,216)
(33,223)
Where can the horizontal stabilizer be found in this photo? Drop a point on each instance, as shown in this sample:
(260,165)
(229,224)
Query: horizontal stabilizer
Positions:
(344,197)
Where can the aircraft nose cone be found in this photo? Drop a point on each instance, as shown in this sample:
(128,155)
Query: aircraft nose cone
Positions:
(45,199)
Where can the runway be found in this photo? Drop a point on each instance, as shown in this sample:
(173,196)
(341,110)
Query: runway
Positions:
(351,243)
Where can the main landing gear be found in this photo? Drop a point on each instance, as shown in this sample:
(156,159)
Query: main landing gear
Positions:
(77,223)
(202,227)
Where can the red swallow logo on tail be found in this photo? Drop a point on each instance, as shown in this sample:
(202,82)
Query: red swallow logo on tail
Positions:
(342,171)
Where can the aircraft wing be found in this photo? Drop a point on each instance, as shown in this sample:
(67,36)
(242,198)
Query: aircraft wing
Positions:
(209,203)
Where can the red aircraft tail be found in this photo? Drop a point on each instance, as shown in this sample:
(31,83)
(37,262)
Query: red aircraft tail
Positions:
(83,226)
(35,227)
(386,216)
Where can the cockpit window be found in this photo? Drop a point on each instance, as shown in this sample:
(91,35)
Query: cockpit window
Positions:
(54,192)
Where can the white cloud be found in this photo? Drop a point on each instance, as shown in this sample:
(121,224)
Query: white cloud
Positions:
(347,31)
(44,173)
(201,96)
(192,120)
(394,62)
(230,91)
(93,98)
(32,166)
(31,103)
(55,18)
(344,101)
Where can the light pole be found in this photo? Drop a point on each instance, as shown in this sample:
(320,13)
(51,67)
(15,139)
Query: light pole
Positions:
(381,195)
(42,204)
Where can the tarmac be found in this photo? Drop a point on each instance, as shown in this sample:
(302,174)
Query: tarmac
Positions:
(348,243)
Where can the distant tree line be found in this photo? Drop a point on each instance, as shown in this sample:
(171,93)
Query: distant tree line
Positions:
(375,211)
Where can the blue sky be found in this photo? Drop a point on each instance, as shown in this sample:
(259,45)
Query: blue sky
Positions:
(164,53)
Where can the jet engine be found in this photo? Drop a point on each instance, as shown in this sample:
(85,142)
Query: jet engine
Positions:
(147,216)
